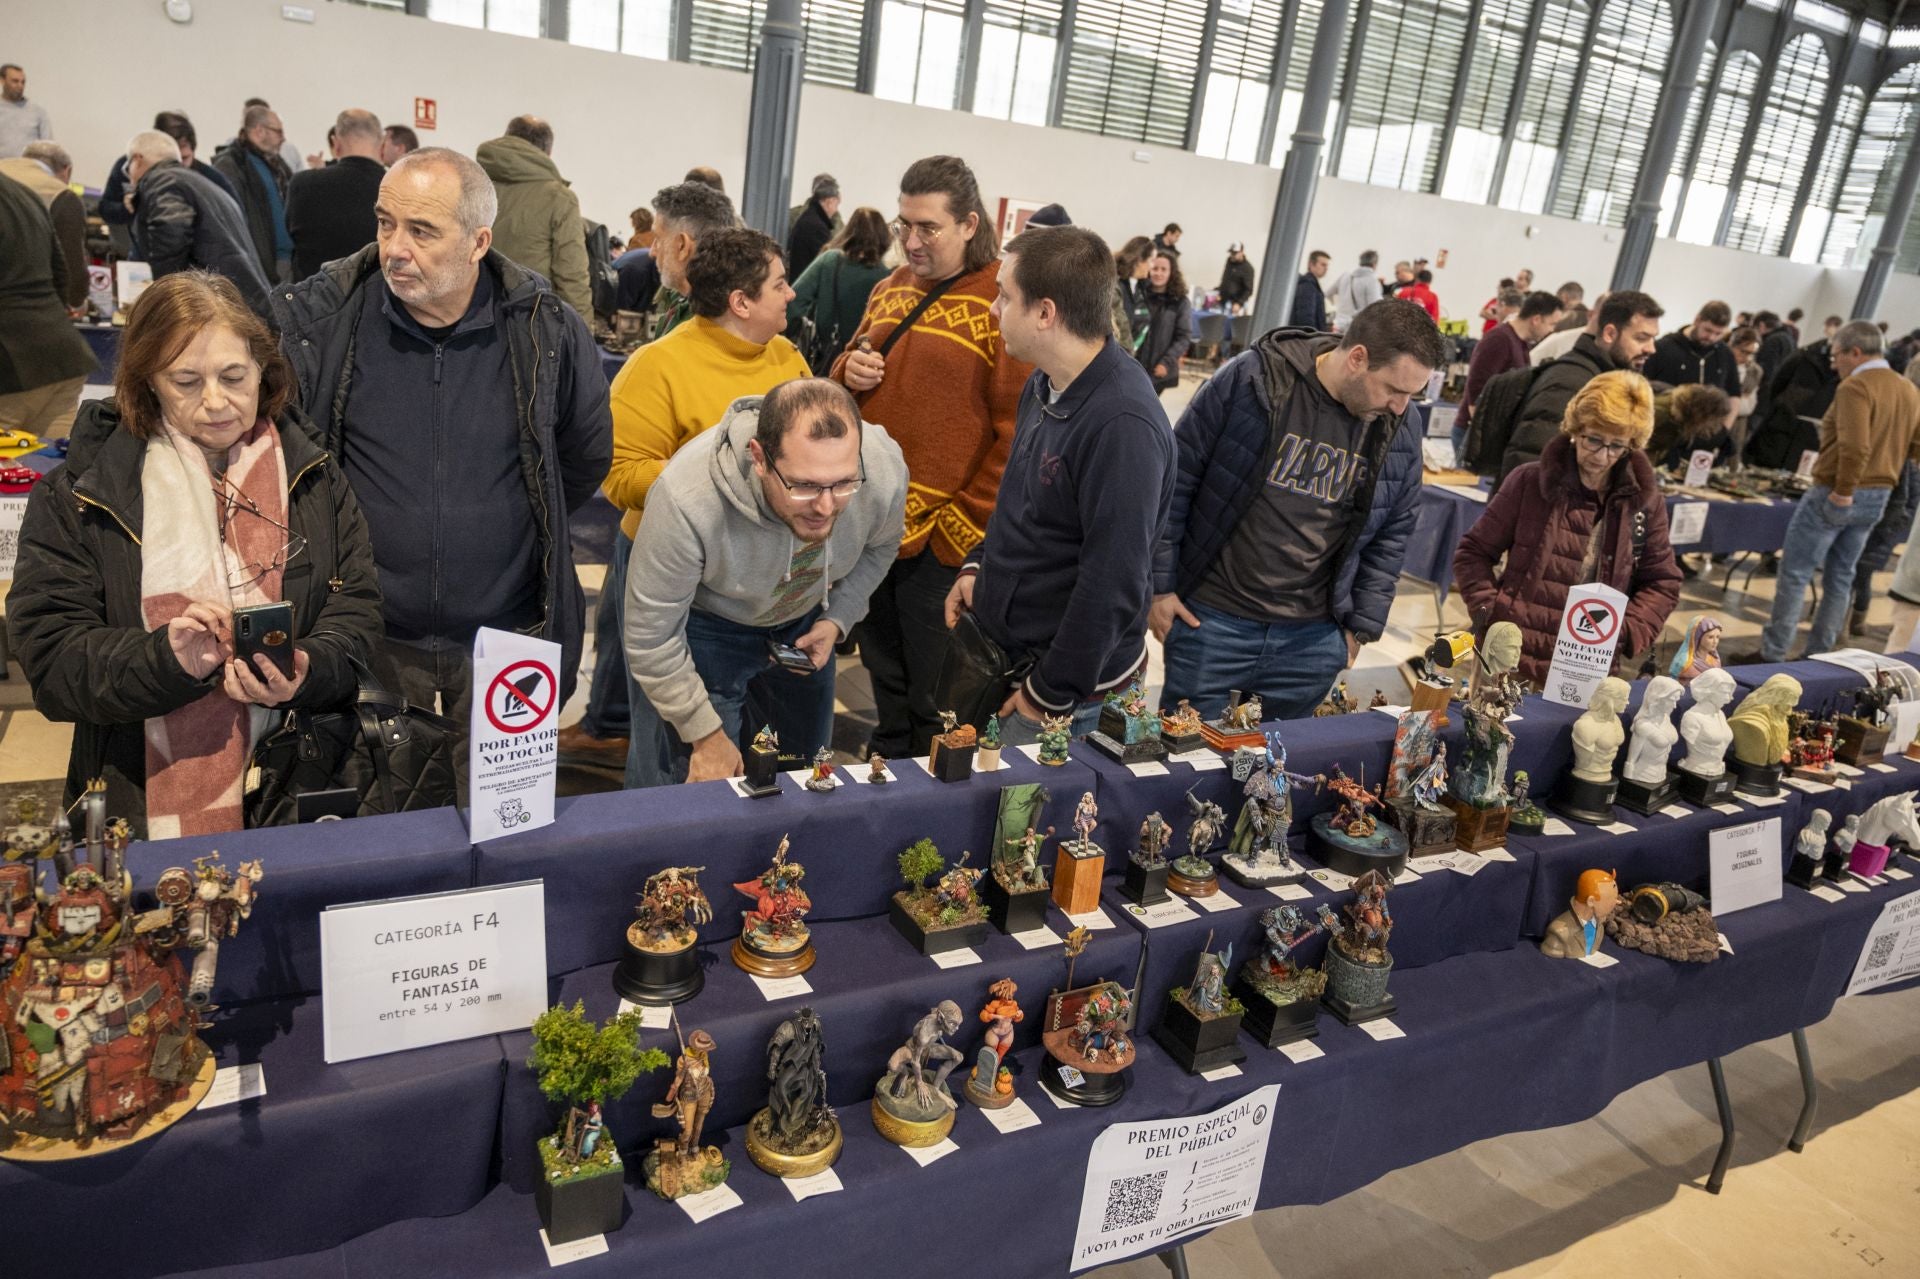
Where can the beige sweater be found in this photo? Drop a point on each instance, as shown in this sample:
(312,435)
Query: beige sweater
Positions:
(1872,428)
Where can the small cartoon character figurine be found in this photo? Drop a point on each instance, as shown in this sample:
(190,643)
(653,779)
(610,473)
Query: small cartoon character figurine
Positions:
(821,777)
(1056,735)
(679,1165)
(1577,931)
(1358,964)
(584,1066)
(877,774)
(1810,747)
(774,941)
(1699,651)
(797,1135)
(662,966)
(990,1083)
(912,1105)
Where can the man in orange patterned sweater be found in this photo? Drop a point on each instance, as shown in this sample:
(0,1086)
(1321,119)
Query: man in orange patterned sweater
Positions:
(928,363)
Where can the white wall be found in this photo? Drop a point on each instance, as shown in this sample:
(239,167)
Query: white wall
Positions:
(626,126)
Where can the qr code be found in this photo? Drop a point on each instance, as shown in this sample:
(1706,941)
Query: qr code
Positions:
(1134,1201)
(1878,957)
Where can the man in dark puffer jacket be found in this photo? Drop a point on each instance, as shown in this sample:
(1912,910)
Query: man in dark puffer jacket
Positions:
(1306,443)
(1621,336)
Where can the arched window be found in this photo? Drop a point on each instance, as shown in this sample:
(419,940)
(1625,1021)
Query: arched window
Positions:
(1497,45)
(1235,105)
(1874,169)
(1609,134)
(1557,52)
(1400,94)
(1706,192)
(1789,123)
(1818,215)
(1130,73)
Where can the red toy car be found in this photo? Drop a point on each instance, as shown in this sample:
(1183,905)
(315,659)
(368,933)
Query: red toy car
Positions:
(17,479)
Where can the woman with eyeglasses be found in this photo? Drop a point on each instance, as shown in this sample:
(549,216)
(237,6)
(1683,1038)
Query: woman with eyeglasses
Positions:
(195,490)
(1588,511)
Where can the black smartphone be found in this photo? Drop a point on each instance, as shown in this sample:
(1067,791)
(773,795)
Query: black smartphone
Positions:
(789,657)
(264,628)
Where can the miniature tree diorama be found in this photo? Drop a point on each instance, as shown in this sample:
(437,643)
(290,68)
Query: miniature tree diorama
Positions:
(584,1066)
(941,910)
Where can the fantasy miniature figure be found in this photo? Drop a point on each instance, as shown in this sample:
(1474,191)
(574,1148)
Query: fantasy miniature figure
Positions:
(945,915)
(990,1082)
(1056,736)
(679,1165)
(1810,742)
(1577,930)
(774,941)
(1760,730)
(662,966)
(1147,864)
(912,1105)
(1129,731)
(1478,792)
(877,774)
(1887,820)
(1668,921)
(1281,998)
(1699,651)
(1086,1035)
(1201,1029)
(820,777)
(1703,774)
(1016,890)
(1193,875)
(99,1016)
(1863,733)
(761,764)
(1349,839)
(797,1135)
(986,758)
(1238,725)
(951,757)
(1431,784)
(1180,730)
(1357,965)
(1244,715)
(1597,736)
(1018,867)
(1258,856)
(1809,849)
(1525,817)
(1646,781)
(1379,701)
(1338,702)
(1354,816)
(1078,866)
(1419,764)
(584,1066)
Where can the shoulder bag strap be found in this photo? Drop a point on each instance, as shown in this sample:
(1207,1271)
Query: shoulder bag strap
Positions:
(931,296)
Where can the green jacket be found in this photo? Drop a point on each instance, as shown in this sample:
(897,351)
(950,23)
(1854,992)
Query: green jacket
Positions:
(539,224)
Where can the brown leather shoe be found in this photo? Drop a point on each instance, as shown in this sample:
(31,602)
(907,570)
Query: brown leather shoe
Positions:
(577,744)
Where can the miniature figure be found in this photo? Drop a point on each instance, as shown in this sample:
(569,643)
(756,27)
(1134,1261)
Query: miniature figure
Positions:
(820,777)
(1379,701)
(1428,823)
(797,1134)
(1810,744)
(1478,793)
(1201,1029)
(1597,737)
(1238,725)
(1809,849)
(1338,702)
(1646,780)
(1258,856)
(1833,868)
(1703,774)
(1887,820)
(1192,875)
(1147,864)
(1056,735)
(945,915)
(1577,930)
(1760,730)
(1281,998)
(990,1082)
(1349,839)
(1129,731)
(1668,921)
(1525,817)
(679,1165)
(986,758)
(774,941)
(1357,965)
(1863,733)
(1016,892)
(877,774)
(1078,866)
(951,757)
(662,966)
(1018,868)
(761,765)
(1180,730)
(909,1107)
(1431,784)
(1244,715)
(1699,651)
(1088,1047)
(585,1066)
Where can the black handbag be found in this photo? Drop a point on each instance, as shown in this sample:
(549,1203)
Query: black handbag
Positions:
(977,674)
(396,758)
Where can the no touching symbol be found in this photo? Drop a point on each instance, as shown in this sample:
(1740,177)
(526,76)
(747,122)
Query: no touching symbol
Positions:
(1592,621)
(521,697)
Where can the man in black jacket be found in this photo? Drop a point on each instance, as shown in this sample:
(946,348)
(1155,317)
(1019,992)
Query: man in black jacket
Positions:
(43,361)
(1236,290)
(1624,329)
(1309,303)
(252,163)
(330,209)
(467,406)
(1697,352)
(184,221)
(814,227)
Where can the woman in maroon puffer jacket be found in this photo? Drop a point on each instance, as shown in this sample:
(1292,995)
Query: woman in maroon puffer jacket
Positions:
(1588,511)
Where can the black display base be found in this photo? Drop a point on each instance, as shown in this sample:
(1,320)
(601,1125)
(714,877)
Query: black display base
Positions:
(1020,912)
(1273,1024)
(1127,752)
(1181,743)
(1338,851)
(1092,1090)
(1199,1046)
(1146,887)
(936,941)
(950,765)
(1756,779)
(1535,823)
(647,977)
(1802,871)
(1354,1016)
(1585,801)
(1704,792)
(582,1207)
(1643,799)
(762,769)
(1833,867)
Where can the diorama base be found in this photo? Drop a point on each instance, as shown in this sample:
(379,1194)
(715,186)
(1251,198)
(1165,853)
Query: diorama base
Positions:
(1644,799)
(656,978)
(1802,871)
(1014,912)
(1127,752)
(1187,886)
(911,1132)
(1076,877)
(934,941)
(1586,801)
(1526,821)
(1477,829)
(1859,742)
(762,769)
(1227,740)
(29,1148)
(672,1175)
(1251,874)
(1148,887)
(1703,792)
(983,1079)
(1867,860)
(1756,779)
(769,1158)
(1814,773)
(1354,1015)
(1092,1090)
(1428,830)
(1385,850)
(1200,1045)
(1357,991)
(1273,1024)
(948,764)
(762,963)
(581,1207)
(1181,743)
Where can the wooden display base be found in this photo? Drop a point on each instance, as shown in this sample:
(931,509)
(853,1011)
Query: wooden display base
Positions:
(1227,740)
(29,1149)
(1193,887)
(1076,877)
(1477,829)
(658,978)
(782,1164)
(1431,697)
(1860,742)
(761,963)
(1145,887)
(1200,1045)
(910,1132)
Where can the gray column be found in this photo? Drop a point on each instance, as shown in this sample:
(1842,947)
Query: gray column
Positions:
(554,23)
(1277,82)
(1663,139)
(1062,57)
(1287,237)
(1363,10)
(773,120)
(973,19)
(1209,33)
(1822,137)
(1874,283)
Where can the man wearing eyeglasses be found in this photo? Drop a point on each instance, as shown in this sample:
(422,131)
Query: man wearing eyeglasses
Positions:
(764,535)
(252,163)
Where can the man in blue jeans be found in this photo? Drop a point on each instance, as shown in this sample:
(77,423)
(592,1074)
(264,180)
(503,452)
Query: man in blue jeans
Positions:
(1870,431)
(769,530)
(1298,486)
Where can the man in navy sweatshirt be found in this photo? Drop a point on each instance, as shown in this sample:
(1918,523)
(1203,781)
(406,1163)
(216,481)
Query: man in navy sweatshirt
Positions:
(1064,572)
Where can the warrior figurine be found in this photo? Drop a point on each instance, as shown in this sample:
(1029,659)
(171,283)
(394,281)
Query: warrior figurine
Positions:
(820,778)
(796,1068)
(671,907)
(1102,1024)
(1019,869)
(877,770)
(1207,994)
(690,1096)
(1285,928)
(1154,834)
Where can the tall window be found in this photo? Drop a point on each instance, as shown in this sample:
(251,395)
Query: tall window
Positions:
(642,27)
(1543,106)
(1674,194)
(515,17)
(1306,29)
(1875,167)
(1789,123)
(1628,61)
(1706,193)
(1400,95)
(1018,41)
(726,33)
(920,52)
(1235,105)
(1818,215)
(1131,70)
(1497,44)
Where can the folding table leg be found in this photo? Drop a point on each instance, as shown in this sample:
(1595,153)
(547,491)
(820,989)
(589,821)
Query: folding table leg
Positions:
(1808,1086)
(1725,1105)
(1175,1259)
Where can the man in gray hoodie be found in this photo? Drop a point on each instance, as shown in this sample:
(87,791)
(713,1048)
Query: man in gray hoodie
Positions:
(770,529)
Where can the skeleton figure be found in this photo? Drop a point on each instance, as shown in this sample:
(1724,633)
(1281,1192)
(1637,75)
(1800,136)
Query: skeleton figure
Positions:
(907,1068)
(796,1057)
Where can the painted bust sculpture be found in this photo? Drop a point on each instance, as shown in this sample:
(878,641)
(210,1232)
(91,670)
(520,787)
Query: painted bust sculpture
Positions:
(1699,651)
(1576,933)
(1760,725)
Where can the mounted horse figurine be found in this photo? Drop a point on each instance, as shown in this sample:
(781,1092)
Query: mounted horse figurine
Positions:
(1892,818)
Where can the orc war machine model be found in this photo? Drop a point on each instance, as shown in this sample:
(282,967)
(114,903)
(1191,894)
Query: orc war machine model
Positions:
(662,965)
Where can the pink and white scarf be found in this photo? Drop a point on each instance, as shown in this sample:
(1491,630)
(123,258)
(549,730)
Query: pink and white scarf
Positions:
(197,755)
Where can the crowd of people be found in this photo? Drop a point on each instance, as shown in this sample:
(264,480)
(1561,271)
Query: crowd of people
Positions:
(371,386)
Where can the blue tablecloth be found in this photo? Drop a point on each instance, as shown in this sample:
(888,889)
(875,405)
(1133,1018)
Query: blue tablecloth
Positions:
(104,340)
(611,363)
